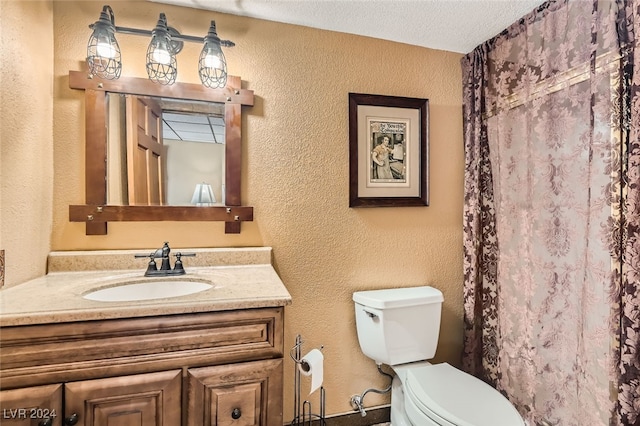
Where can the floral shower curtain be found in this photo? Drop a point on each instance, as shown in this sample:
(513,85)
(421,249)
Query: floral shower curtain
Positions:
(552,213)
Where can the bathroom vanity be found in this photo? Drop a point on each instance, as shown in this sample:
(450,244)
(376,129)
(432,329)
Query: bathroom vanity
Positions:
(213,357)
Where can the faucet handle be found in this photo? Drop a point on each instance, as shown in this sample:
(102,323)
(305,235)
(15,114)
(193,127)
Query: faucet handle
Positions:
(180,254)
(178,265)
(152,262)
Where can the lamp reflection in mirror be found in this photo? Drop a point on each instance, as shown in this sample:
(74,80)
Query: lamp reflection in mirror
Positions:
(203,195)
(161,55)
(103,53)
(212,65)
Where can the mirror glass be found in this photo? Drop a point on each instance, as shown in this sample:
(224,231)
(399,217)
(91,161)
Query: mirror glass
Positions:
(163,151)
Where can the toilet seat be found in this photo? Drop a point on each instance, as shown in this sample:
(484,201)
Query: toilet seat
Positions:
(442,392)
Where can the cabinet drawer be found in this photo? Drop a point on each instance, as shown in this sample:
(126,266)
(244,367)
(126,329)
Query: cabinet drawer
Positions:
(39,354)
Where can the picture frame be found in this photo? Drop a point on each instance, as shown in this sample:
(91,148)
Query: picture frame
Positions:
(388,151)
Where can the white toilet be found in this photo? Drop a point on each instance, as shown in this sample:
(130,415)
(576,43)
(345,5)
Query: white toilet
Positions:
(400,328)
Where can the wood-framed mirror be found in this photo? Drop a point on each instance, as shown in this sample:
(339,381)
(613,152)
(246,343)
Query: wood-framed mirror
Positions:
(150,202)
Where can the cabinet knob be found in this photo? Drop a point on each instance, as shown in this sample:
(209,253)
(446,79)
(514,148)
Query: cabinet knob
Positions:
(46,422)
(71,420)
(236,413)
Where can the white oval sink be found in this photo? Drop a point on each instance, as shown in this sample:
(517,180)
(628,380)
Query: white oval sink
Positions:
(147,290)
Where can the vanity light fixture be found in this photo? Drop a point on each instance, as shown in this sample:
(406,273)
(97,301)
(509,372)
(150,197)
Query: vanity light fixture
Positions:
(104,58)
(161,54)
(103,52)
(212,65)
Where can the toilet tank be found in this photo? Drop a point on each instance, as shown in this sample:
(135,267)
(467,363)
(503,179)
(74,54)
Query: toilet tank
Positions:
(400,325)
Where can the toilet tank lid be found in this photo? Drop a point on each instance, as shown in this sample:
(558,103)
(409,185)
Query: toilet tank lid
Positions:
(398,297)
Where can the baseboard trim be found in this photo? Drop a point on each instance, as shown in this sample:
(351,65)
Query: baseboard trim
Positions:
(375,415)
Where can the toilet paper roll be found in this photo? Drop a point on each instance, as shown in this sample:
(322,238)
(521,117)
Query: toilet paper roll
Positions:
(312,365)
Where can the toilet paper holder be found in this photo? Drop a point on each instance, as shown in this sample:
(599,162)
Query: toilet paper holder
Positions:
(295,354)
(302,410)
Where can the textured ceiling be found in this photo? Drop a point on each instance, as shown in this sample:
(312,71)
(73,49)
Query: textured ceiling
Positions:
(453,25)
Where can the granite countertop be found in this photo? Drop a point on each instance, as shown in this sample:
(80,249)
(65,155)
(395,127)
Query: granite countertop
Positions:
(242,279)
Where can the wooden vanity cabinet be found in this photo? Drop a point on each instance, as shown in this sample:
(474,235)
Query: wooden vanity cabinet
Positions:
(216,368)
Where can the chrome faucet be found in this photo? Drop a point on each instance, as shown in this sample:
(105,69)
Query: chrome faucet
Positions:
(165,265)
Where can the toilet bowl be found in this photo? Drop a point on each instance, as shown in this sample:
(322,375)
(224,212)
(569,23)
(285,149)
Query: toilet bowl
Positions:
(400,328)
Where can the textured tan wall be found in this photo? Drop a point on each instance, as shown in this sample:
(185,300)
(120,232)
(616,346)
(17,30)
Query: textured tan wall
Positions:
(295,147)
(26,139)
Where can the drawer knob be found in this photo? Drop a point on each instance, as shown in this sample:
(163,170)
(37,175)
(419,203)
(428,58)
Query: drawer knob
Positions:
(46,422)
(236,413)
(71,420)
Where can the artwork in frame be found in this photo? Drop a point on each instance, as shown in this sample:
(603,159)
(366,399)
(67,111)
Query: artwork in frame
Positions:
(388,151)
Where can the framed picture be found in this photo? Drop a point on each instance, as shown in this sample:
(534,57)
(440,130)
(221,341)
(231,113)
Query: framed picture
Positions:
(388,151)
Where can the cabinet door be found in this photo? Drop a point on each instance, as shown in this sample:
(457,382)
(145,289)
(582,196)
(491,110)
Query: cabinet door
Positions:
(34,406)
(152,399)
(245,394)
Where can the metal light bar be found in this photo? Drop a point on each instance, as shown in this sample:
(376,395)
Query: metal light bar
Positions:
(175,35)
